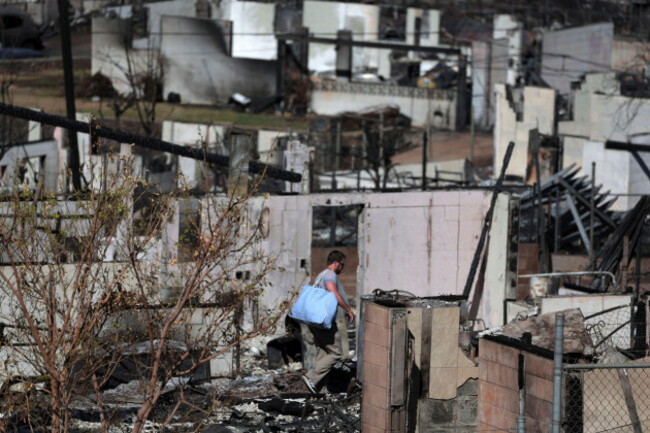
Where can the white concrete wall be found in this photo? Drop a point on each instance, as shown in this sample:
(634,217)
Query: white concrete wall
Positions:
(109,54)
(497,285)
(508,28)
(51,170)
(572,151)
(156,12)
(424,243)
(577,131)
(538,112)
(198,68)
(602,114)
(618,171)
(191,171)
(568,54)
(419,109)
(481,86)
(325,18)
(628,55)
(252,27)
(266,145)
(430,26)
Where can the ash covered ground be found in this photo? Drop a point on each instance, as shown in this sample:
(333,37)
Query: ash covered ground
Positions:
(258,399)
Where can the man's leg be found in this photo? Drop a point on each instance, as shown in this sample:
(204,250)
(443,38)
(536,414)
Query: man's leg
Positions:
(329,352)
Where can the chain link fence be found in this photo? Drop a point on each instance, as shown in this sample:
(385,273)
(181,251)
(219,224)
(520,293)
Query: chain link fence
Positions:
(606,398)
(610,392)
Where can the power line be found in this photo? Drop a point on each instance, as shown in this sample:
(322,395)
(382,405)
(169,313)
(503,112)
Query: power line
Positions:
(97,130)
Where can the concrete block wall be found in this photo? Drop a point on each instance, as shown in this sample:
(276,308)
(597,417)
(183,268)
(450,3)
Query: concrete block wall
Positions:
(498,392)
(375,410)
(538,112)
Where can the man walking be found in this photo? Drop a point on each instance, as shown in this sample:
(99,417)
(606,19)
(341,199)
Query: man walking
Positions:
(327,340)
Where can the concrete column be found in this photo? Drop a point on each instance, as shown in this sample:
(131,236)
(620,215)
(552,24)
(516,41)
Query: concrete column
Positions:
(344,56)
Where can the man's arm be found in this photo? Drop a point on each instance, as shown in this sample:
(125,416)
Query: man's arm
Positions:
(331,286)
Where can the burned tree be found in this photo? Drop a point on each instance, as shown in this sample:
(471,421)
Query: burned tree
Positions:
(88,286)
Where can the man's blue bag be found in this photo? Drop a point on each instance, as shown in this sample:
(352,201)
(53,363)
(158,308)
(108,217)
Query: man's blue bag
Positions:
(315,307)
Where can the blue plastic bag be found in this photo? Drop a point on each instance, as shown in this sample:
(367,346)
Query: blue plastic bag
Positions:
(315,307)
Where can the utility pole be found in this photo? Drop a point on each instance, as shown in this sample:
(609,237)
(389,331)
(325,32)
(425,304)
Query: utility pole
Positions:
(71,112)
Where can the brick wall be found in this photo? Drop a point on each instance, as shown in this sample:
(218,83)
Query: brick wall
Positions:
(498,391)
(528,264)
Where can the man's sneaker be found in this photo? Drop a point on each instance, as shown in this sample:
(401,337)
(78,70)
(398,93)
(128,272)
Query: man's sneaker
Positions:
(310,384)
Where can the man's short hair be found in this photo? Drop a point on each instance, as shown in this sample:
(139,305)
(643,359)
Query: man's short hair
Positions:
(335,256)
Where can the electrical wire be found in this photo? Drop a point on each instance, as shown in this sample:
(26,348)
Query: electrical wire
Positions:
(97,130)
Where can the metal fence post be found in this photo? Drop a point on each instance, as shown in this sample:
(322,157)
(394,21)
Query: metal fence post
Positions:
(521,419)
(557,372)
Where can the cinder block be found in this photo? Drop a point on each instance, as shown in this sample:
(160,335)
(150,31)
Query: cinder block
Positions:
(538,366)
(504,376)
(445,235)
(374,354)
(376,333)
(498,353)
(482,370)
(472,212)
(539,409)
(437,213)
(499,418)
(468,235)
(499,396)
(451,213)
(375,396)
(367,428)
(374,313)
(374,416)
(540,388)
(446,198)
(375,374)
(471,197)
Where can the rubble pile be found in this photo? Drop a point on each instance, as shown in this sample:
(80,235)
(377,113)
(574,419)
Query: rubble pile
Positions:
(542,330)
(256,400)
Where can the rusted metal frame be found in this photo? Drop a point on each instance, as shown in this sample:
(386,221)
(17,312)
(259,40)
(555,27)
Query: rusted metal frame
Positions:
(592,250)
(578,221)
(620,145)
(605,218)
(641,162)
(608,336)
(375,44)
(488,221)
(626,387)
(556,225)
